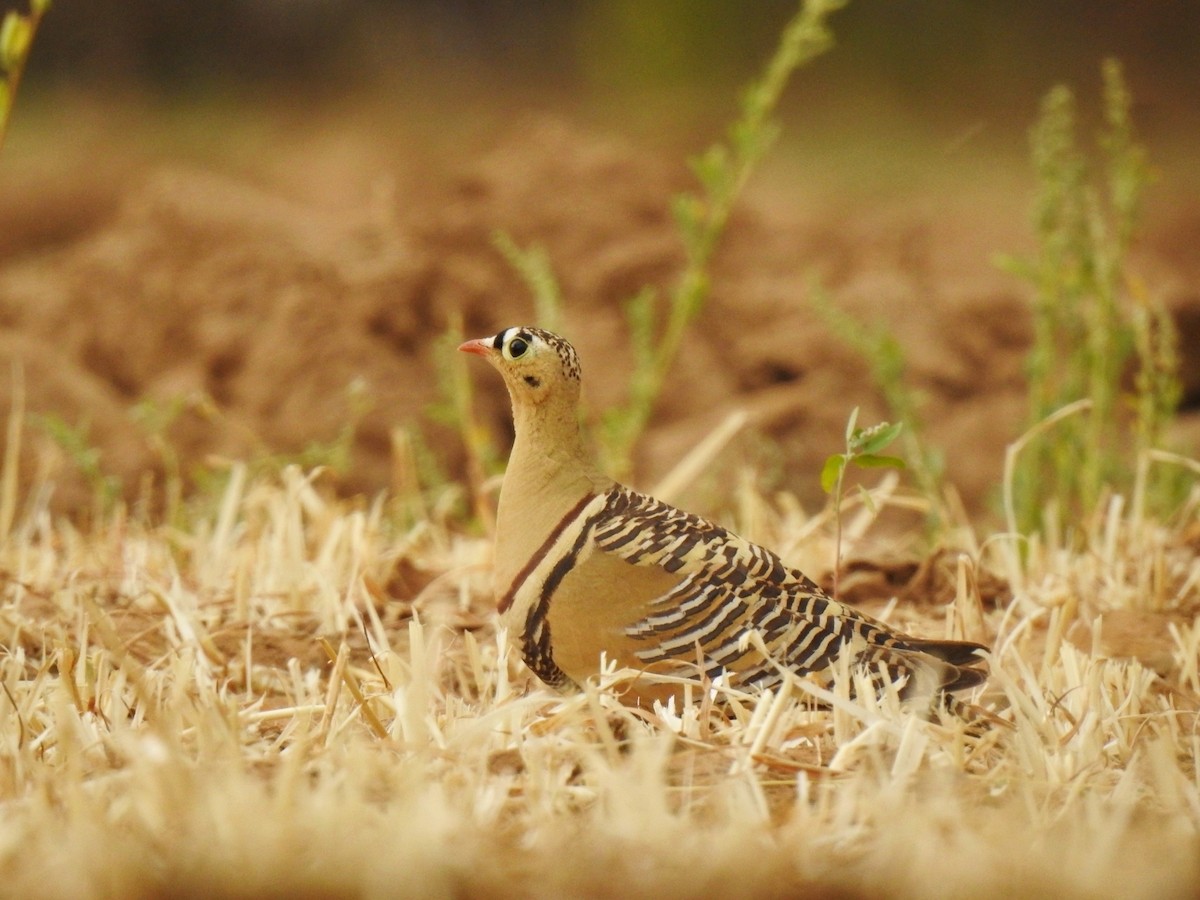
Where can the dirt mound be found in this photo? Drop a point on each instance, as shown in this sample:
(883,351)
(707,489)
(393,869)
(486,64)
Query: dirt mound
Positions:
(203,285)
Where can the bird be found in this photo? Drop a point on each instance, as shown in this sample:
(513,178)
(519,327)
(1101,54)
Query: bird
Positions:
(585,568)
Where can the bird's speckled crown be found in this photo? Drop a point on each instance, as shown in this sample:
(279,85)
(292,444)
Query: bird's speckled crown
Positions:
(565,351)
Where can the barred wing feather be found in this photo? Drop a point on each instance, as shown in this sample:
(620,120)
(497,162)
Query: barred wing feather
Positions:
(729,586)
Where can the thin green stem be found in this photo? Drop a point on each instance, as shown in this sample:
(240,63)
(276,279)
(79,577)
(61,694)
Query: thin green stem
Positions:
(16,65)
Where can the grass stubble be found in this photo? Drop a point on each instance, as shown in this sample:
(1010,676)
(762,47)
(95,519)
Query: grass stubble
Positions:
(295,694)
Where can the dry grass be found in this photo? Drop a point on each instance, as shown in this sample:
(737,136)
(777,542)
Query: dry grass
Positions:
(297,696)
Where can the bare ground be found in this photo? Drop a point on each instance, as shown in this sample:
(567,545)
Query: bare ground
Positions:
(270,286)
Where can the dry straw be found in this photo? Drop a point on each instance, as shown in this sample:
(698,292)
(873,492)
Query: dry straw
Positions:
(297,695)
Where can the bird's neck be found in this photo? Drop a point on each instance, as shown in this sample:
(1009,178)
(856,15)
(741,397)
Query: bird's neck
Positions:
(549,472)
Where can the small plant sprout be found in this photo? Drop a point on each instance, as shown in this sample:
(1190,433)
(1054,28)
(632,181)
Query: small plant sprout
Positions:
(863,449)
(888,366)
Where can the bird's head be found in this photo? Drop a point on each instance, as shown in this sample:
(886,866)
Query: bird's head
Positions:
(536,365)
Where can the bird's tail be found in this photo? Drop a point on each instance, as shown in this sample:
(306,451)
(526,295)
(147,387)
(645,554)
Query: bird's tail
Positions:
(934,670)
(930,667)
(957,653)
(961,662)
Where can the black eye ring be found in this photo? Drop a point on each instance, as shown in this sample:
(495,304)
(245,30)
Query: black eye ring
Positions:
(517,348)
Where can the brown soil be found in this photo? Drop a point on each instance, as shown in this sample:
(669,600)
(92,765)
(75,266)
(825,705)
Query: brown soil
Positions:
(268,295)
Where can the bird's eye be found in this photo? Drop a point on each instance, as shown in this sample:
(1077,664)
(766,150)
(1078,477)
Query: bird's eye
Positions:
(517,348)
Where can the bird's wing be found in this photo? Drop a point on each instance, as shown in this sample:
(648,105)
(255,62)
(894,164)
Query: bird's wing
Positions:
(725,587)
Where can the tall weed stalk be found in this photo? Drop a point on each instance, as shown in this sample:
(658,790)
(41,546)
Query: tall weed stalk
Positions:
(656,333)
(1099,335)
(455,408)
(17,32)
(702,217)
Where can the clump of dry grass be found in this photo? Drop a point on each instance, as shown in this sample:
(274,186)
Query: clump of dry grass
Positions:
(297,695)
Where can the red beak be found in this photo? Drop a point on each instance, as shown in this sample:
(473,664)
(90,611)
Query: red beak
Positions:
(479,346)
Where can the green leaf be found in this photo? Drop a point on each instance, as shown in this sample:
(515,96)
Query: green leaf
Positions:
(874,439)
(39,6)
(15,35)
(875,461)
(850,423)
(5,99)
(832,471)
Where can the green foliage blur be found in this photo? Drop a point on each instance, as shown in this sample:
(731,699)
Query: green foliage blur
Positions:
(16,40)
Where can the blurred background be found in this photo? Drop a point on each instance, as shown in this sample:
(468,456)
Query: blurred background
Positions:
(231,227)
(930,60)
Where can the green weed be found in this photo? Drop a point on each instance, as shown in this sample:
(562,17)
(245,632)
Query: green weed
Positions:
(864,448)
(656,334)
(701,217)
(455,409)
(16,39)
(534,266)
(1099,335)
(201,484)
(75,444)
(155,419)
(888,367)
(335,454)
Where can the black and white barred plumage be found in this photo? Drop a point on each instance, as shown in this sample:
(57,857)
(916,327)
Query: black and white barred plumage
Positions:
(726,586)
(585,566)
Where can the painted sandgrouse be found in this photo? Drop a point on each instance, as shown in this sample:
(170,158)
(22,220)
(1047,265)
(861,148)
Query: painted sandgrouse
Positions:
(585,565)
